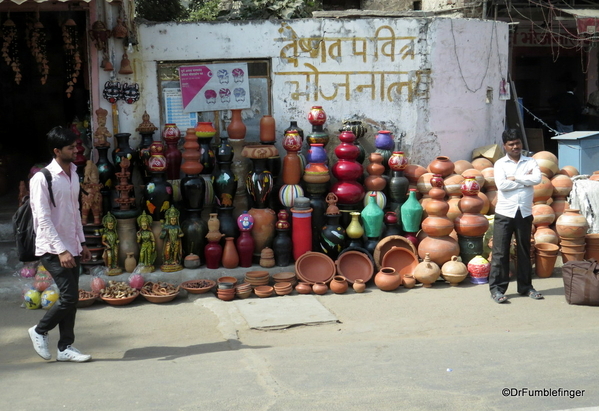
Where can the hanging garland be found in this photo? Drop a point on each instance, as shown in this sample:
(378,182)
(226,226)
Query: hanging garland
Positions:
(70,37)
(39,50)
(10,53)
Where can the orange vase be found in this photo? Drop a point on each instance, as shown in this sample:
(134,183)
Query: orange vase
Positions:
(236,129)
(267,129)
(230,255)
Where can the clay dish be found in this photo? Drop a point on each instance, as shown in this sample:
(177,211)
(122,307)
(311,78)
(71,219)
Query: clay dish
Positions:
(313,267)
(403,260)
(256,274)
(284,276)
(120,301)
(86,302)
(387,243)
(232,280)
(160,298)
(354,265)
(190,286)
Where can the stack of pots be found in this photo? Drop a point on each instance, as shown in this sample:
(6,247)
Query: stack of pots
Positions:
(572,227)
(592,249)
(546,254)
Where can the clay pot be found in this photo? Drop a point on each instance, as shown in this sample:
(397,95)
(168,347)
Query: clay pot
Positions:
(571,249)
(542,215)
(355,265)
(477,174)
(492,197)
(424,183)
(413,172)
(409,281)
(547,162)
(427,272)
(572,257)
(441,165)
(230,258)
(454,271)
(439,249)
(572,241)
(471,225)
(236,128)
(542,191)
(454,208)
(471,204)
(571,224)
(387,279)
(486,203)
(453,185)
(303,288)
(267,129)
(559,204)
(544,264)
(320,288)
(562,185)
(570,171)
(481,163)
(594,176)
(546,248)
(338,285)
(489,175)
(130,262)
(359,286)
(545,234)
(191,261)
(461,165)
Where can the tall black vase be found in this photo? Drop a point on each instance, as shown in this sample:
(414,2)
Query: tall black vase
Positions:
(228,224)
(332,236)
(319,208)
(207,158)
(193,191)
(123,149)
(224,180)
(194,238)
(398,189)
(158,196)
(282,247)
(106,171)
(143,155)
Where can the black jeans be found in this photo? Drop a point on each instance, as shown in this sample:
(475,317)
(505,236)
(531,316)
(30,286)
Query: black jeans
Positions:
(500,263)
(63,312)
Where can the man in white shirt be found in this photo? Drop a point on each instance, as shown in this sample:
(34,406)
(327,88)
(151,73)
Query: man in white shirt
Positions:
(515,176)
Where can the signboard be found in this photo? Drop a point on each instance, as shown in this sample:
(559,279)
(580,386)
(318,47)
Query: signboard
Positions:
(214,87)
(174,110)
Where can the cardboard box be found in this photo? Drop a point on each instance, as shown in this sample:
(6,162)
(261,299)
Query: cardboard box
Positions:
(492,152)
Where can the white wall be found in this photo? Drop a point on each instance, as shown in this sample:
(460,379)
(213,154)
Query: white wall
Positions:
(424,92)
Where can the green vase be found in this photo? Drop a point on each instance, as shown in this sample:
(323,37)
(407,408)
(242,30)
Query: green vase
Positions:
(411,213)
(372,218)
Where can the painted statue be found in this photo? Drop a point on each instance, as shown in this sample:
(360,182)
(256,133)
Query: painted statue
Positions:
(91,197)
(147,243)
(173,245)
(110,240)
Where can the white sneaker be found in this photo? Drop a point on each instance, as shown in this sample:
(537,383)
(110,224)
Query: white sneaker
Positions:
(72,354)
(40,343)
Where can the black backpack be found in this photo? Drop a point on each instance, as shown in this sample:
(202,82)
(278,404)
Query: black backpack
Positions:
(22,222)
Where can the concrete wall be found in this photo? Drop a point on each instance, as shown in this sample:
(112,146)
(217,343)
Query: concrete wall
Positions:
(396,74)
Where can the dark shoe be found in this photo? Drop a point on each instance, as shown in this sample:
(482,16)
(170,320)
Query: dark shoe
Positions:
(498,297)
(534,294)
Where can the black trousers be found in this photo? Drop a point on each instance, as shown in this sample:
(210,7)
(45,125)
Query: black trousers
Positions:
(500,263)
(63,312)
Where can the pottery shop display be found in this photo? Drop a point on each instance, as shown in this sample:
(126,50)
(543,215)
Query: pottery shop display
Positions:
(313,267)
(387,279)
(402,260)
(389,242)
(427,272)
(355,265)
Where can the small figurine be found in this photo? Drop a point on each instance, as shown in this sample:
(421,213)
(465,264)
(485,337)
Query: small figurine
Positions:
(101,134)
(173,245)
(91,198)
(110,240)
(147,243)
(332,202)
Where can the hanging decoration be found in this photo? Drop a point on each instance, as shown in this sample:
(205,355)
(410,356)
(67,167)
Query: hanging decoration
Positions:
(130,93)
(10,53)
(39,50)
(70,37)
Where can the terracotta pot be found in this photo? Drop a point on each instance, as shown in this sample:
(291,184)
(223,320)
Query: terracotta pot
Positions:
(454,208)
(130,262)
(591,239)
(454,271)
(572,249)
(572,257)
(413,172)
(572,241)
(338,284)
(236,129)
(436,226)
(558,205)
(387,279)
(489,175)
(441,165)
(477,174)
(570,171)
(542,214)
(544,264)
(547,248)
(440,249)
(591,252)
(571,224)
(320,288)
(547,162)
(479,269)
(481,163)
(595,176)
(267,129)
(230,257)
(492,197)
(562,185)
(315,267)
(263,231)
(471,204)
(543,190)
(303,288)
(427,272)
(409,281)
(359,286)
(453,185)
(461,166)
(545,234)
(471,225)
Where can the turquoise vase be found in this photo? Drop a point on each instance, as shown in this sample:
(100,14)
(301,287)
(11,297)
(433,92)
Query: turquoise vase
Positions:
(372,218)
(411,213)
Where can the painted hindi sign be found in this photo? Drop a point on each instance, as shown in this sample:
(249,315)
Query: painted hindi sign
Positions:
(212,87)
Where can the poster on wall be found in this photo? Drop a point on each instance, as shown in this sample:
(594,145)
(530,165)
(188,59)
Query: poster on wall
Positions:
(174,110)
(210,87)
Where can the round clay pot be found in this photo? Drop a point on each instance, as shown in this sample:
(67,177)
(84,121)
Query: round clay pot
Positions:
(547,162)
(387,279)
(454,271)
(440,249)
(413,172)
(558,205)
(542,214)
(481,163)
(359,286)
(562,185)
(453,184)
(320,288)
(441,165)
(303,288)
(471,225)
(489,175)
(461,166)
(570,171)
(427,272)
(545,234)
(338,284)
(571,224)
(409,281)
(424,183)
(543,190)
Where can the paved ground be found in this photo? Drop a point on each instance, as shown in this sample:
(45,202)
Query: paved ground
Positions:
(438,348)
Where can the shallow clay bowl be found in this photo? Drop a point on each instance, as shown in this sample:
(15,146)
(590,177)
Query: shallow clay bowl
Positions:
(244,294)
(286,276)
(389,242)
(86,302)
(283,291)
(226,297)
(231,280)
(120,301)
(313,267)
(186,286)
(282,284)
(403,260)
(160,298)
(355,265)
(259,275)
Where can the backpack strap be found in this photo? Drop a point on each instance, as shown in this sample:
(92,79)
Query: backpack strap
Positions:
(46,172)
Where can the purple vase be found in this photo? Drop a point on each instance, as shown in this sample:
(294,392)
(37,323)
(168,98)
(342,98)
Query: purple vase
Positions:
(317,154)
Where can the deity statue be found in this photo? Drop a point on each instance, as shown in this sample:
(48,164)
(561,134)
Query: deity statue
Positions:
(147,243)
(91,198)
(173,245)
(110,240)
(101,134)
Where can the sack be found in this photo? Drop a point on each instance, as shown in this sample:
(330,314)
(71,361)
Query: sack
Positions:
(22,223)
(581,282)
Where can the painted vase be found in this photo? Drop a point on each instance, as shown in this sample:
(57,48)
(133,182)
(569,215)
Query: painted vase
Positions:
(571,224)
(332,237)
(479,269)
(317,116)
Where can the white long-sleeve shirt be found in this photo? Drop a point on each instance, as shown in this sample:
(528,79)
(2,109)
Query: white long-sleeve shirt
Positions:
(520,192)
(57,228)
